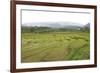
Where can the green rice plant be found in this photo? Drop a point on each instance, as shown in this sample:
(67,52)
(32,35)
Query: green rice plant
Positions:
(55,46)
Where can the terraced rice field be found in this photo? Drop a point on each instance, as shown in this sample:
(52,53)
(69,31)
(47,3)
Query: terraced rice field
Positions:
(55,46)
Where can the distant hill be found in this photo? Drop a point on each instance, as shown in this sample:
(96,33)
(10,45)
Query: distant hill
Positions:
(54,24)
(86,27)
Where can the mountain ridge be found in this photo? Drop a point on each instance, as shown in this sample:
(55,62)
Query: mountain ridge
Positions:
(53,24)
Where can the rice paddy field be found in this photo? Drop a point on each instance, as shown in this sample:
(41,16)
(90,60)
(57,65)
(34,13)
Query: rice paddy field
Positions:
(55,46)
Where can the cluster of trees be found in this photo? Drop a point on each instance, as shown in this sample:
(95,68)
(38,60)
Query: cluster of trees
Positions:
(37,29)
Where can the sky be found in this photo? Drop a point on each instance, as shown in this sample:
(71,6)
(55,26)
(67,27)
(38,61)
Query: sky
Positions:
(49,16)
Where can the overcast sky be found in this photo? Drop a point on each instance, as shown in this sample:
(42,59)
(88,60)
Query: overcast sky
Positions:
(42,16)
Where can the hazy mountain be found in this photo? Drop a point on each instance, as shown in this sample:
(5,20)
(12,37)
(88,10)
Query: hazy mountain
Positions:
(54,24)
(87,25)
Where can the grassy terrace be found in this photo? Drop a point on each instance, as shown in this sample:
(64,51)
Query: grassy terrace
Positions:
(55,46)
